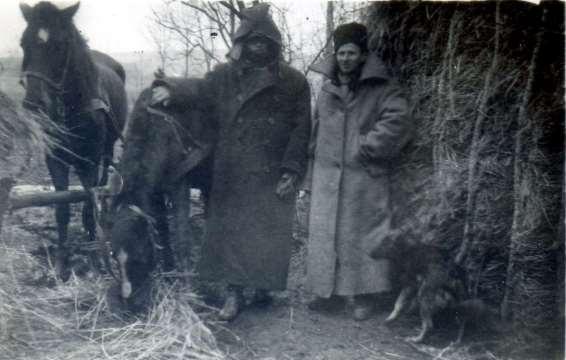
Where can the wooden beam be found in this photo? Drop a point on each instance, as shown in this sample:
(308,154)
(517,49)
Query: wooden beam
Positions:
(47,198)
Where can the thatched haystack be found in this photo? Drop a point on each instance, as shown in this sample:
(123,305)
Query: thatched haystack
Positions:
(22,133)
(486,167)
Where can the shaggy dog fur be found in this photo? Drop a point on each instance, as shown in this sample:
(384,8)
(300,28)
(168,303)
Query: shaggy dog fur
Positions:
(430,280)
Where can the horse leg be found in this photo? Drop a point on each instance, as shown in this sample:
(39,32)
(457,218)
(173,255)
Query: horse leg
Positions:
(107,160)
(89,177)
(183,232)
(59,173)
(159,210)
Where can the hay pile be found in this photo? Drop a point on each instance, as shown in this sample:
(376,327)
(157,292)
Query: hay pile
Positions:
(77,320)
(486,166)
(22,134)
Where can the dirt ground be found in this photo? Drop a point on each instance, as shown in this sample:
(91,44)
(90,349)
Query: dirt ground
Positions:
(287,329)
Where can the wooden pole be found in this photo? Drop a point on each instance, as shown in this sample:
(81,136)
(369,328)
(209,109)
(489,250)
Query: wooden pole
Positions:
(524,129)
(328,49)
(475,148)
(46,199)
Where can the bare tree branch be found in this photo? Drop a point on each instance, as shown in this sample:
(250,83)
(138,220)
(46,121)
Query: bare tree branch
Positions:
(222,26)
(222,29)
(233,9)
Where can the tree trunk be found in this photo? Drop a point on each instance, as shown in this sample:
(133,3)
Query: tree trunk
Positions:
(445,93)
(187,54)
(329,27)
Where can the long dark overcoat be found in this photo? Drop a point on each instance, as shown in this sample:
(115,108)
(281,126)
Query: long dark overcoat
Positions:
(356,138)
(264,130)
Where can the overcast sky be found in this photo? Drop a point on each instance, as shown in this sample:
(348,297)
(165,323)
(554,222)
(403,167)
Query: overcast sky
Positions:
(119,25)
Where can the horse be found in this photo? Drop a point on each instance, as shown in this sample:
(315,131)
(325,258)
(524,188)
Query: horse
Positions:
(83,91)
(167,152)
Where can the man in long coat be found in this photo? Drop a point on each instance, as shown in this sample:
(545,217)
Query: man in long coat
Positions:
(263,111)
(361,123)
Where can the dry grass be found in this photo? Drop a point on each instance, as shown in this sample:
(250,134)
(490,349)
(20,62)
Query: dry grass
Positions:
(17,124)
(77,320)
(23,134)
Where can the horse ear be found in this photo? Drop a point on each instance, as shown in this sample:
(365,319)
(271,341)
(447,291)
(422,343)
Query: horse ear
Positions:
(69,12)
(26,11)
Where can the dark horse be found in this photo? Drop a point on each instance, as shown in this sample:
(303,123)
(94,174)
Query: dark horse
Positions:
(166,153)
(82,91)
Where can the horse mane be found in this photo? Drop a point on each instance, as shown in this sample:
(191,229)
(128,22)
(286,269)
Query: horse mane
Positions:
(82,69)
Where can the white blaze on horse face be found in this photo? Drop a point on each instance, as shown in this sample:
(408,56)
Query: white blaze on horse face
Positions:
(126,285)
(43,35)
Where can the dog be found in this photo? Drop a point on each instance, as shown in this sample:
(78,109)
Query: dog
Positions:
(430,280)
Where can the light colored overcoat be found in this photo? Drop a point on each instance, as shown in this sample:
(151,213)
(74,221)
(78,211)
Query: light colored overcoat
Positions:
(356,138)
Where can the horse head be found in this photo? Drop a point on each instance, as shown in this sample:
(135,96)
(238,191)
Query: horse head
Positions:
(50,44)
(132,236)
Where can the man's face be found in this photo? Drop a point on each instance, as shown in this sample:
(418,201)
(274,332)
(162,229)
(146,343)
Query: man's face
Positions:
(349,57)
(257,47)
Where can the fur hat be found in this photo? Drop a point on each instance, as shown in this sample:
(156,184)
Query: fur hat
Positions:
(354,33)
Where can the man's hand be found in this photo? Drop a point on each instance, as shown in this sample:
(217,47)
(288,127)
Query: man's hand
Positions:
(304,193)
(286,186)
(160,95)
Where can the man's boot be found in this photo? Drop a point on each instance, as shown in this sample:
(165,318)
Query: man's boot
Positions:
(363,307)
(233,303)
(262,298)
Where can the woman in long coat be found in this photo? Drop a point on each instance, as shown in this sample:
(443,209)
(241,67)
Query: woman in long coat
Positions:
(358,131)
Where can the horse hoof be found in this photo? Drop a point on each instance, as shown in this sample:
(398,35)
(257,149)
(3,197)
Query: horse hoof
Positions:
(62,273)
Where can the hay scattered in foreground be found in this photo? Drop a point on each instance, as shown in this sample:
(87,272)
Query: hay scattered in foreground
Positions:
(74,321)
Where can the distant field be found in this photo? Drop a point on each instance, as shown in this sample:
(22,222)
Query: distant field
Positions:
(139,74)
(9,77)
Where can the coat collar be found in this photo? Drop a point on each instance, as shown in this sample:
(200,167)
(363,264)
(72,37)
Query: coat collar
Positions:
(252,81)
(373,68)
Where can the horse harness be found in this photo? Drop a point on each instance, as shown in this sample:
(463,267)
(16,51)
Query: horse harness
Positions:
(99,102)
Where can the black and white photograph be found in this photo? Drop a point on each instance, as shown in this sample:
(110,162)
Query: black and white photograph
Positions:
(282,180)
